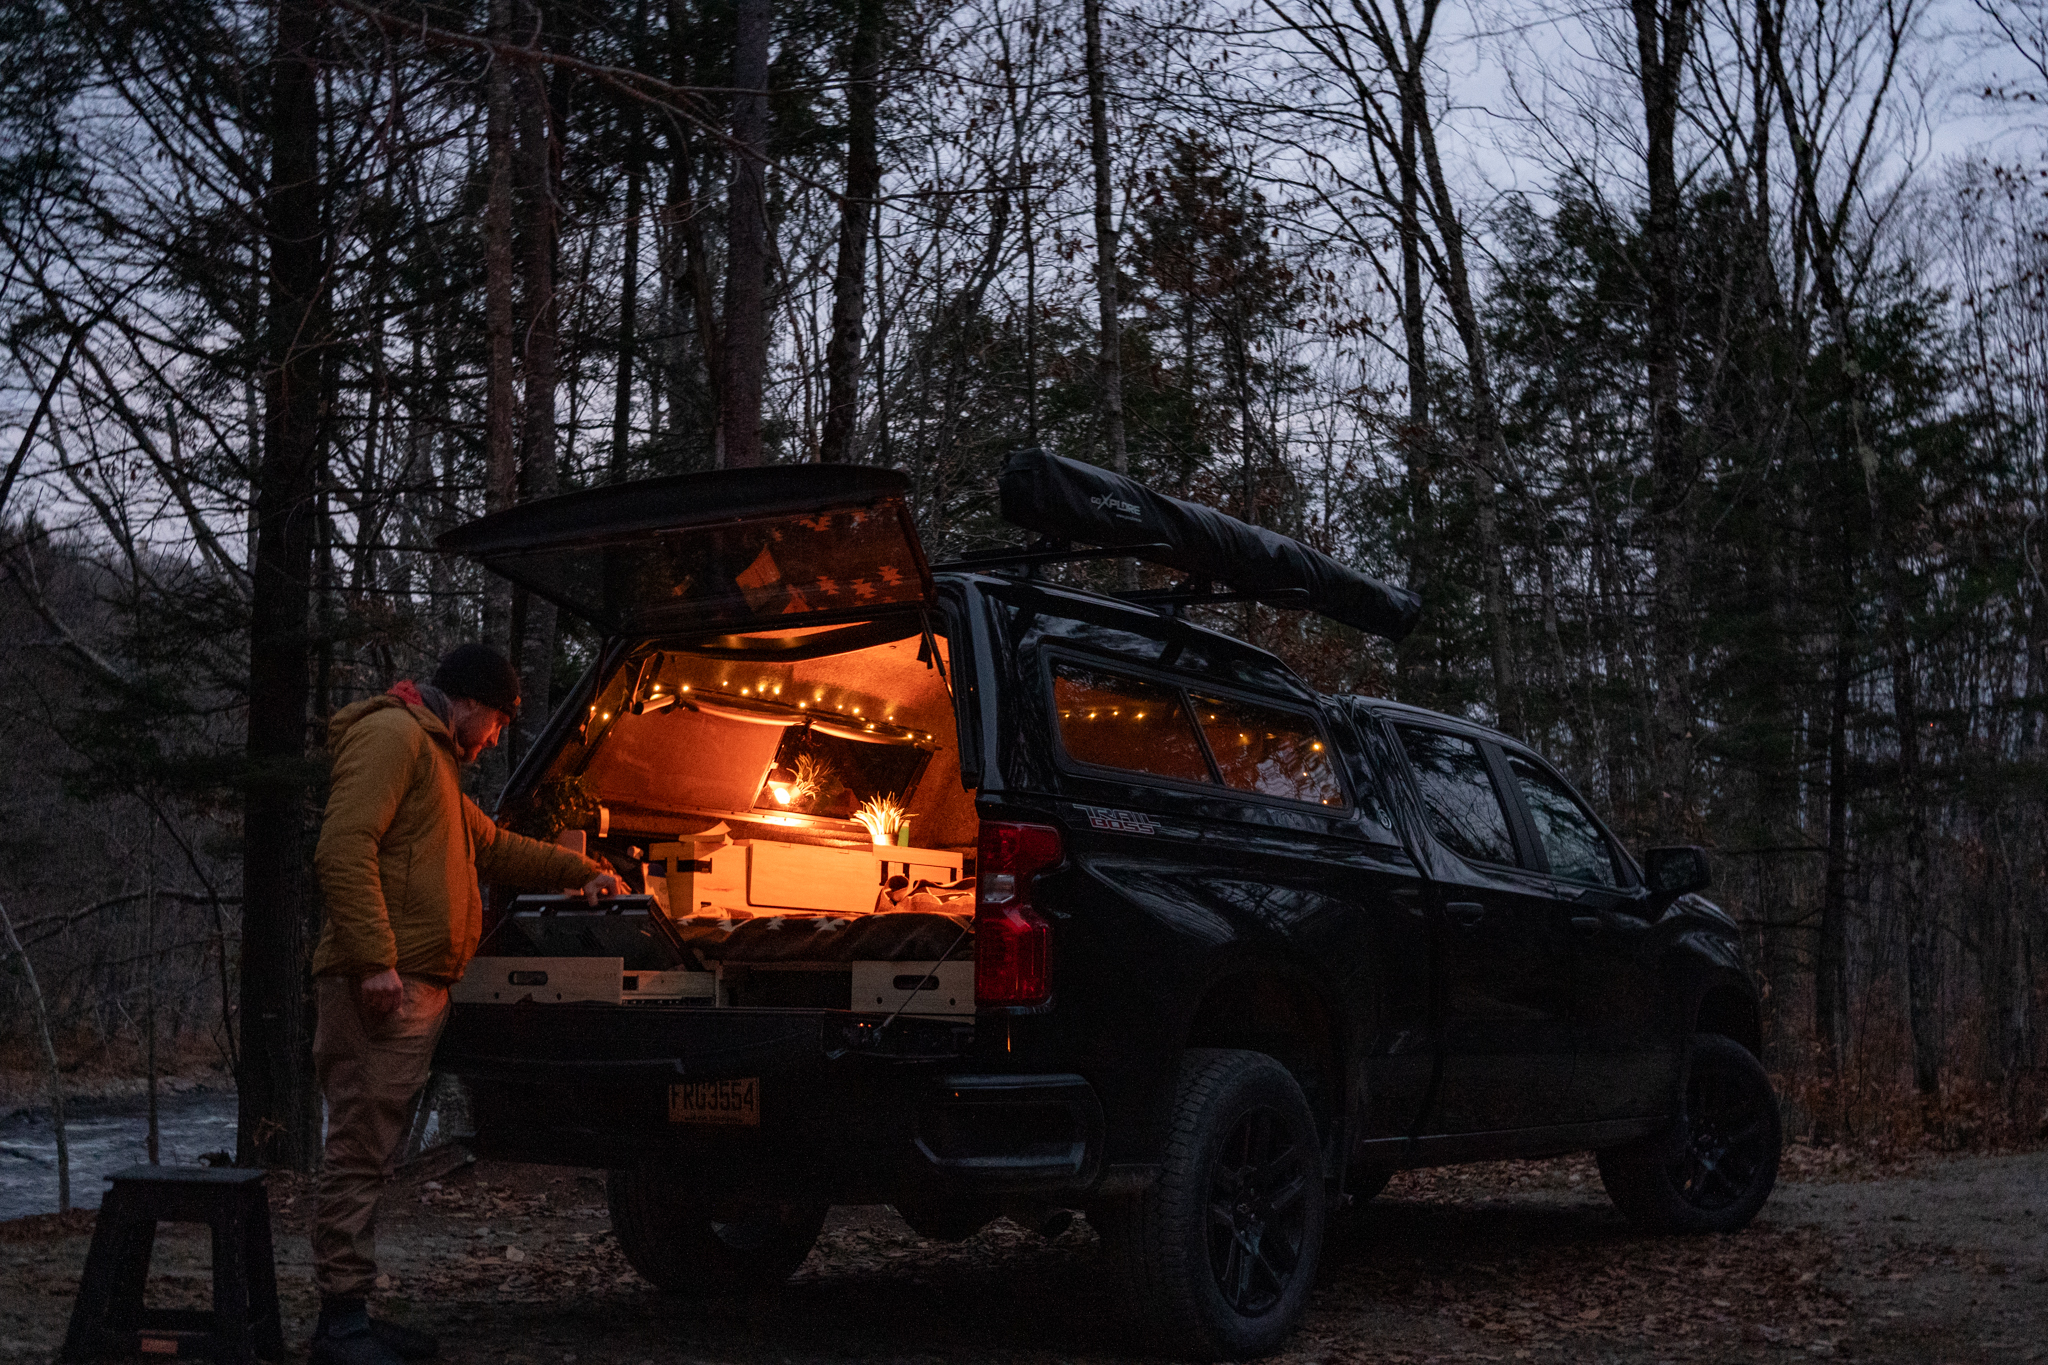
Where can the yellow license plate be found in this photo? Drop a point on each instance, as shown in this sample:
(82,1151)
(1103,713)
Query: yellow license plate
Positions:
(729,1102)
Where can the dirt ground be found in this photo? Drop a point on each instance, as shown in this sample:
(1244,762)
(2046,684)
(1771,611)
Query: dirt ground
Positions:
(1945,1260)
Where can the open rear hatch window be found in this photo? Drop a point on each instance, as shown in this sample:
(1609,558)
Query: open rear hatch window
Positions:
(728,549)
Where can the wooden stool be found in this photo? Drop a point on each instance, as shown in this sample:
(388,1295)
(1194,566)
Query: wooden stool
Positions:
(109,1318)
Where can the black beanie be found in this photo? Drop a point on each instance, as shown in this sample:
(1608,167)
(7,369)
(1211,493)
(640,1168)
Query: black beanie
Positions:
(481,674)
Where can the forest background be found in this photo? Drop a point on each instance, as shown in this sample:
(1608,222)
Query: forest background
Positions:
(1681,354)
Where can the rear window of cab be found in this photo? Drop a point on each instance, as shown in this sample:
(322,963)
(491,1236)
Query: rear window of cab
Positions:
(1111,719)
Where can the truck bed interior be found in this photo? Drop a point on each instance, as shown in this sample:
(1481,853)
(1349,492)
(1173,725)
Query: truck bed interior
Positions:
(789,801)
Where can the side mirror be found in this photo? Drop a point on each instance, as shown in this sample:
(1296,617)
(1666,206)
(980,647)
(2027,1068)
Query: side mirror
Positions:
(1676,871)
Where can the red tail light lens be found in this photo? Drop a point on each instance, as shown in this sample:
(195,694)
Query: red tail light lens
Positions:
(1012,942)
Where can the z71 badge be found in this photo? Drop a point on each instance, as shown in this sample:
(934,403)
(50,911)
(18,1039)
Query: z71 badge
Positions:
(1121,821)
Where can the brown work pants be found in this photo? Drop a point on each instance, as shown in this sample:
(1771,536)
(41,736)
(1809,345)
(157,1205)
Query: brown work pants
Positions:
(370,1068)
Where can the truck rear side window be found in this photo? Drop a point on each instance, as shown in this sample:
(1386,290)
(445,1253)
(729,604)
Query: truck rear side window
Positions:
(1465,812)
(1275,753)
(1121,722)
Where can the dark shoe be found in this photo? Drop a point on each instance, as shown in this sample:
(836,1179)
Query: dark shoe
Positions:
(359,1347)
(405,1343)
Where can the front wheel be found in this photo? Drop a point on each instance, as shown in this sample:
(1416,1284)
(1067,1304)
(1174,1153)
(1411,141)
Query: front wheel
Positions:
(687,1242)
(1715,1166)
(1218,1255)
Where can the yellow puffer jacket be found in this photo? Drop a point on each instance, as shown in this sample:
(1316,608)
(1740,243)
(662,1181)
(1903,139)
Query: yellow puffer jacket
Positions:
(401,848)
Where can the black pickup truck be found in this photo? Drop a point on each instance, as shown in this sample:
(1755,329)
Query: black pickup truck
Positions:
(971,893)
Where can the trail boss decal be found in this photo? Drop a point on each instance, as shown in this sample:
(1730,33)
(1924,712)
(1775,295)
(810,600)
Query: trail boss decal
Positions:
(1119,821)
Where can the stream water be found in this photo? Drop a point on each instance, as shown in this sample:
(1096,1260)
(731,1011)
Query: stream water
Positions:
(105,1136)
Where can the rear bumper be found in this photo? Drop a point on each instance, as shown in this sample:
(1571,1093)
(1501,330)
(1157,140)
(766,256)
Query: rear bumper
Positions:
(1010,1132)
(843,1115)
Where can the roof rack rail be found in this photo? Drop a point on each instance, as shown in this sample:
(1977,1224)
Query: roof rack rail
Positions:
(1292,599)
(1042,552)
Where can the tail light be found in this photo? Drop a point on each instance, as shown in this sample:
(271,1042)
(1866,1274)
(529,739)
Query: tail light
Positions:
(1012,941)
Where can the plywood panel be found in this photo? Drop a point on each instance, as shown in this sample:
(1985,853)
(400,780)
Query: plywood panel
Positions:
(809,877)
(546,980)
(927,988)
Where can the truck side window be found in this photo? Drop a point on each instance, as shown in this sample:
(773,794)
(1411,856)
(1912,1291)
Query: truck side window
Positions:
(1275,753)
(1465,812)
(1571,840)
(1121,722)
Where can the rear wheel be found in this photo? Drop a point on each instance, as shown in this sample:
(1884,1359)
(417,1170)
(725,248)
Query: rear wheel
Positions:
(1218,1255)
(687,1242)
(1717,1163)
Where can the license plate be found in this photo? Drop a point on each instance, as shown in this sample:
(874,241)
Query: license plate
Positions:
(729,1102)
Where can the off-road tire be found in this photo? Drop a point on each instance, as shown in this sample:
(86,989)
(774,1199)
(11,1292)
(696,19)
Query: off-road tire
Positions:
(1714,1167)
(686,1241)
(1216,1258)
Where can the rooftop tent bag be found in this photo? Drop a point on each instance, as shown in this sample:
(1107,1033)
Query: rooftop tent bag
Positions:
(1068,500)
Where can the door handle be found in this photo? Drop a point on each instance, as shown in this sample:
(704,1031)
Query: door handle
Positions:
(1586,924)
(1466,913)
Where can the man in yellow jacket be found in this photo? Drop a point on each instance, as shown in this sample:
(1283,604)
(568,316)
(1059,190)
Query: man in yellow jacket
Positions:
(401,848)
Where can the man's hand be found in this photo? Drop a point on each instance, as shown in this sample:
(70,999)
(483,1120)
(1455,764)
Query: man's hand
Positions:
(382,993)
(603,884)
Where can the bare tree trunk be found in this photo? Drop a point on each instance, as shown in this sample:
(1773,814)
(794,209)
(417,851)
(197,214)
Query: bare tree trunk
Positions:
(1831,960)
(850,275)
(153,1131)
(879,351)
(54,1073)
(1399,33)
(629,300)
(1824,233)
(1663,33)
(537,234)
(689,278)
(1027,208)
(1488,454)
(1416,655)
(501,456)
(1109,375)
(746,274)
(279,1123)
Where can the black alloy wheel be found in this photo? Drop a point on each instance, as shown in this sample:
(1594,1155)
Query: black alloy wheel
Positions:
(1712,1170)
(1258,1211)
(1216,1258)
(1733,1138)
